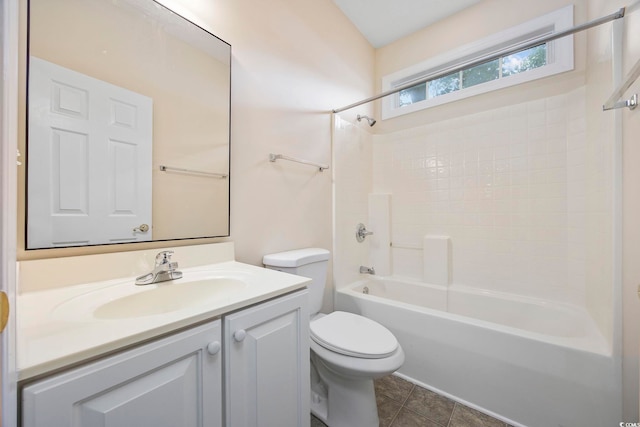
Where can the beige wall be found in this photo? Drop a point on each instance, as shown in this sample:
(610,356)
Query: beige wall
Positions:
(293,61)
(472,24)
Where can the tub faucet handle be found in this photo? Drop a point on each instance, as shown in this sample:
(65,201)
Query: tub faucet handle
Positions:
(362,232)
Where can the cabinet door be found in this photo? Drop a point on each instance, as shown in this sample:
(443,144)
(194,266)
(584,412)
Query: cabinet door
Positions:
(175,381)
(267,364)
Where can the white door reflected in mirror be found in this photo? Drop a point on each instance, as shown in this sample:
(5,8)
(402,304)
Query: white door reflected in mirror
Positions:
(90,148)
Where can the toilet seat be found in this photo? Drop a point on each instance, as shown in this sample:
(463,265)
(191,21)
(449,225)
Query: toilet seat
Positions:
(353,335)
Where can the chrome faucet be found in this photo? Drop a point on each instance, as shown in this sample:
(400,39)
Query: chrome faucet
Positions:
(362,232)
(367,270)
(164,270)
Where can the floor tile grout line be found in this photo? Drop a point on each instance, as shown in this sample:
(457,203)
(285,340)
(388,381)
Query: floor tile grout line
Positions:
(404,402)
(425,416)
(394,417)
(413,387)
(451,416)
(420,414)
(404,399)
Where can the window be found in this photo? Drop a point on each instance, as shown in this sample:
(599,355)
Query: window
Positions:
(528,64)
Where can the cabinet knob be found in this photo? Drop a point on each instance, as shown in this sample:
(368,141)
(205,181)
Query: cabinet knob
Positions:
(214,347)
(240,335)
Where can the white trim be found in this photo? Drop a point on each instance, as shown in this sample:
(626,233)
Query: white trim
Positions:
(617,36)
(560,54)
(9,19)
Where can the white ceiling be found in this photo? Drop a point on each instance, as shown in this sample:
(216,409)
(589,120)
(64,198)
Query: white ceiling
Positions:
(384,21)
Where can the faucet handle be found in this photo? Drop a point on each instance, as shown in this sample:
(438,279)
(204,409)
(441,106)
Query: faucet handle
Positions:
(163,257)
(362,232)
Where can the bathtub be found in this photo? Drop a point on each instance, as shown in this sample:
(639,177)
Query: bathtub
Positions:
(526,361)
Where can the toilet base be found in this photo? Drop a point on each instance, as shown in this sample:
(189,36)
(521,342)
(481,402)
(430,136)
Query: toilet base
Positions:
(339,401)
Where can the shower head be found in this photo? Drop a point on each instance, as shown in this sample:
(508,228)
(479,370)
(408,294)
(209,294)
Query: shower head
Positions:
(369,119)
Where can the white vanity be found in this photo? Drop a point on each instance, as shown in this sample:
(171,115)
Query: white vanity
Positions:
(226,345)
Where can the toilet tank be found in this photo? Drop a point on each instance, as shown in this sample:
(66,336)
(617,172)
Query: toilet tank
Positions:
(309,262)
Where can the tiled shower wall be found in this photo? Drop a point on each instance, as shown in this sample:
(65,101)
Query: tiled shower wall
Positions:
(520,191)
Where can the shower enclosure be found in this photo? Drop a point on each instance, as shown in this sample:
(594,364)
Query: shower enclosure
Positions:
(525,184)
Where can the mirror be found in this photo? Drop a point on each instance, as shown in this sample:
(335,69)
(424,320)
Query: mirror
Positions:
(128,125)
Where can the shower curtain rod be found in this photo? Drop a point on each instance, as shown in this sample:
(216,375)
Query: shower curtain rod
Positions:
(479,61)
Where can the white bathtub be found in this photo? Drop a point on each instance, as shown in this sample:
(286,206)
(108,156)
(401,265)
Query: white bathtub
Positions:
(526,361)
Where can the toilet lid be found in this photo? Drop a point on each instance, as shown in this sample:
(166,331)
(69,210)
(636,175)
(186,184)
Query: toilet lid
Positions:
(353,335)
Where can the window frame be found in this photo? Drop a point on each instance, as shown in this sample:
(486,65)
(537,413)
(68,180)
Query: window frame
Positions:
(559,60)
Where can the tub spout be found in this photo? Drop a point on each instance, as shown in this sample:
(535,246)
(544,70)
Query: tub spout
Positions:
(367,270)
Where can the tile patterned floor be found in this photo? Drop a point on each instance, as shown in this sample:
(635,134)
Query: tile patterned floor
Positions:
(403,404)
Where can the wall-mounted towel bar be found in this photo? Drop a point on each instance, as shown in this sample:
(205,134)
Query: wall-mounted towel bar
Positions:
(632,102)
(191,171)
(274,157)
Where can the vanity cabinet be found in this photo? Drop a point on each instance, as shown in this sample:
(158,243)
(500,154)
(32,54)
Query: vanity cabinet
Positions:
(267,364)
(161,384)
(260,354)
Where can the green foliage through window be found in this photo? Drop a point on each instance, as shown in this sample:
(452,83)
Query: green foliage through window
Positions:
(505,66)
(443,85)
(525,60)
(413,94)
(481,73)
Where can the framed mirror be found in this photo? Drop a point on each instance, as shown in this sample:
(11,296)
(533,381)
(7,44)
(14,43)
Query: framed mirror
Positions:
(127,125)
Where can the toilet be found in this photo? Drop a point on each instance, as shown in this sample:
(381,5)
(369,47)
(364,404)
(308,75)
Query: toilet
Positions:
(348,351)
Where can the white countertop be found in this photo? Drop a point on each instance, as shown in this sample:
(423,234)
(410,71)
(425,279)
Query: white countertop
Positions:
(58,327)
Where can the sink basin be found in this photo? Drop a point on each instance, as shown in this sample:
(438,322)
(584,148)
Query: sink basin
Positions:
(122,300)
(168,297)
